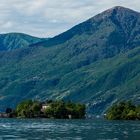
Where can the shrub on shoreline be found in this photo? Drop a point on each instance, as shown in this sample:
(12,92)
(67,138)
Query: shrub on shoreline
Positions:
(123,111)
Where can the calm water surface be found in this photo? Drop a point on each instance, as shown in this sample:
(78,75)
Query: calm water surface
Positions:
(43,129)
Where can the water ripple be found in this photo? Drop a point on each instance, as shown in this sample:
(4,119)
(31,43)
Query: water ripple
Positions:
(44,129)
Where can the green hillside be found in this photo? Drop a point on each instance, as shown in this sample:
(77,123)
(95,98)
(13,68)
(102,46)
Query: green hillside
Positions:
(97,84)
(96,62)
(12,41)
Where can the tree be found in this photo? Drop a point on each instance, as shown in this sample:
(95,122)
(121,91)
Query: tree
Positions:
(132,115)
(24,109)
(36,108)
(122,111)
(49,112)
(80,109)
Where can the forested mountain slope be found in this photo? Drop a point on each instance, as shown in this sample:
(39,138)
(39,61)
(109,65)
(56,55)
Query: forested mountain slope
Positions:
(96,62)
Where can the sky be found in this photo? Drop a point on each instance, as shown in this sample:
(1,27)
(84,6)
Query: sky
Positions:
(47,18)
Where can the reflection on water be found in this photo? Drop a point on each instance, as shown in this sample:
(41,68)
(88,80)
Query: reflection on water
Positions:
(69,129)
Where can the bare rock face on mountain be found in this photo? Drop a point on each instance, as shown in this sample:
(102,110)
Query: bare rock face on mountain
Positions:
(96,62)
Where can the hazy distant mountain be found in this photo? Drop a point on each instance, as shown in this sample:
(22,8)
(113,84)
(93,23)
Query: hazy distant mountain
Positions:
(12,41)
(96,62)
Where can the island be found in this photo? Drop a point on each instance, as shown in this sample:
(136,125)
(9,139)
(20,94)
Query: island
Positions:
(124,110)
(47,109)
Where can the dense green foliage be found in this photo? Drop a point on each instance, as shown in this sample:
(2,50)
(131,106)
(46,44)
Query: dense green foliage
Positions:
(96,63)
(60,109)
(54,109)
(123,111)
(28,109)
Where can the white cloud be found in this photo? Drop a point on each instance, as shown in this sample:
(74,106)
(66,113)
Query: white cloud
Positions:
(51,17)
(7,25)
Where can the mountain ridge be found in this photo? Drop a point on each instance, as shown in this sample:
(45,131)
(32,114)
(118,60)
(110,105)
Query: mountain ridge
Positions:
(11,41)
(58,39)
(95,62)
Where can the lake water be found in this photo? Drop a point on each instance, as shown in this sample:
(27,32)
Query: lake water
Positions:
(44,129)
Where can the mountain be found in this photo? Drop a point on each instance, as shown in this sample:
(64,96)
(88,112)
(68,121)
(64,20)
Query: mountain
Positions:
(96,62)
(111,25)
(12,41)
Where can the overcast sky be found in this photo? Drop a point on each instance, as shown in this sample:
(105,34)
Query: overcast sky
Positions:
(47,18)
